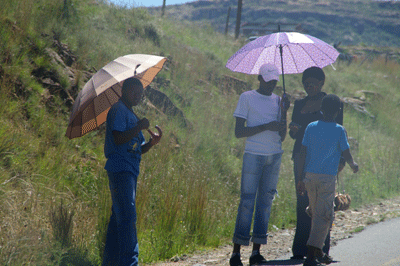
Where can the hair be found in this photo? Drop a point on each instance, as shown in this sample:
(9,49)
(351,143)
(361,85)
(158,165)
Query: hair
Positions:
(313,72)
(330,105)
(131,83)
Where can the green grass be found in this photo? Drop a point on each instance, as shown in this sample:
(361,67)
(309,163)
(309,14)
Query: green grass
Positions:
(188,188)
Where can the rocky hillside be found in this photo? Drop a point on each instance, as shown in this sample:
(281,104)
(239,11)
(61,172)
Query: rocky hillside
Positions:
(351,22)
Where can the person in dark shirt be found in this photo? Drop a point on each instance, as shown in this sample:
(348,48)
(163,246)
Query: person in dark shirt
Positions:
(305,111)
(123,148)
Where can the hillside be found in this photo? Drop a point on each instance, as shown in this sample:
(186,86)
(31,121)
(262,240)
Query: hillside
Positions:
(351,22)
(54,194)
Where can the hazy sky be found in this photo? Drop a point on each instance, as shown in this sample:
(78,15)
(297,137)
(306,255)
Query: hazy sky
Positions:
(148,3)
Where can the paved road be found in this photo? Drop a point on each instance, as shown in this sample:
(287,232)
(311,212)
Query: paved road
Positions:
(376,245)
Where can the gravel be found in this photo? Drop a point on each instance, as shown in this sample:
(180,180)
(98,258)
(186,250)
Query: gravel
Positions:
(279,244)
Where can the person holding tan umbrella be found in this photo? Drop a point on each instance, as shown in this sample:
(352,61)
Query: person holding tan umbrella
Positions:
(108,97)
(124,145)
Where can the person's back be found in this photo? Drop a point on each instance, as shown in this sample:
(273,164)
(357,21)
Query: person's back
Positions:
(325,142)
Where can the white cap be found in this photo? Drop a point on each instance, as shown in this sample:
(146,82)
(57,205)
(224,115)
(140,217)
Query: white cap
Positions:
(269,72)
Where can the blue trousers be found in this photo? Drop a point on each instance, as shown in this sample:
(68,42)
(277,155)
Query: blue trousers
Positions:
(121,248)
(303,225)
(260,175)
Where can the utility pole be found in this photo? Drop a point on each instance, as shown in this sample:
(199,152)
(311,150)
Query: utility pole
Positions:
(238,18)
(163,8)
(227,21)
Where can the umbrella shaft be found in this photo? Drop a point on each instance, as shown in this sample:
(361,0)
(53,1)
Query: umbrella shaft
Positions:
(283,73)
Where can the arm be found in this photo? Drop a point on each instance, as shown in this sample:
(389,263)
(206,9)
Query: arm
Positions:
(300,170)
(121,137)
(292,128)
(302,160)
(283,132)
(349,159)
(242,131)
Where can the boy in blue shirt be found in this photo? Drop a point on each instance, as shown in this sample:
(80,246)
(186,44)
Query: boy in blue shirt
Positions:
(323,144)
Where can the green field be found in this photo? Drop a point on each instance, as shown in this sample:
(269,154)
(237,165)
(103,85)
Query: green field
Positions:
(54,197)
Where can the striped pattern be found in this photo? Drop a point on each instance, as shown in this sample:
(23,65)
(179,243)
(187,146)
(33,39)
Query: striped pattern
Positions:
(300,51)
(104,89)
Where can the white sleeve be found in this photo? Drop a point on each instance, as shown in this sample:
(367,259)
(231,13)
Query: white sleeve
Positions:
(242,108)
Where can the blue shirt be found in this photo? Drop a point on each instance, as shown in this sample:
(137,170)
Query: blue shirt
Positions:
(325,142)
(125,157)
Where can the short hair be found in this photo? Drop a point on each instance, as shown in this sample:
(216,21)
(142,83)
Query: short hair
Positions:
(313,72)
(131,83)
(330,104)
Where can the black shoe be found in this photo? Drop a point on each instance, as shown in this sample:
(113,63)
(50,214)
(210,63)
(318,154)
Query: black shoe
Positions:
(313,262)
(325,259)
(235,261)
(297,257)
(257,259)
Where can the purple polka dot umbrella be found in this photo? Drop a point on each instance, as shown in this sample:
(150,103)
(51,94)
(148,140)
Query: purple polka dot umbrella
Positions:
(295,51)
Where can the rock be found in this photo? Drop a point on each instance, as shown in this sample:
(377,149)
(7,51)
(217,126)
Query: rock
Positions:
(358,105)
(229,84)
(165,105)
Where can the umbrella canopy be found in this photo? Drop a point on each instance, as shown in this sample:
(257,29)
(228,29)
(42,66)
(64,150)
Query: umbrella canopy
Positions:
(105,88)
(298,52)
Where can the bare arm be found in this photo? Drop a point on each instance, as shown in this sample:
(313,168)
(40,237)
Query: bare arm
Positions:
(349,159)
(302,160)
(242,131)
(300,170)
(283,132)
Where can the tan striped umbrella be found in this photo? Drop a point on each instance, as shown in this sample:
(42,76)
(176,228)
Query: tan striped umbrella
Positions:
(104,89)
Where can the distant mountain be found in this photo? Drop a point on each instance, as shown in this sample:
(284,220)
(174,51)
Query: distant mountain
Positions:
(351,22)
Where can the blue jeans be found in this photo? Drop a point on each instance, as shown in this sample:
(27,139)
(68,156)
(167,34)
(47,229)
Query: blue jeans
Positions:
(122,247)
(260,175)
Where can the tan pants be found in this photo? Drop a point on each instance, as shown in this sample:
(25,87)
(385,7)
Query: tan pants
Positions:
(321,195)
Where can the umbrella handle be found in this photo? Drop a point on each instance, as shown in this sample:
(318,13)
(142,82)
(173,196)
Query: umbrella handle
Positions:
(138,65)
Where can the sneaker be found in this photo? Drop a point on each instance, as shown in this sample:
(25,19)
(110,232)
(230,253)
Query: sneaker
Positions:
(257,259)
(314,262)
(235,261)
(325,259)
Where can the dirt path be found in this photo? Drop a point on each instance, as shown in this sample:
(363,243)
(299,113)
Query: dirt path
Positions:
(279,243)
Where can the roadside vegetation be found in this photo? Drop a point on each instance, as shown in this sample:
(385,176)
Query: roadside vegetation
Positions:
(54,197)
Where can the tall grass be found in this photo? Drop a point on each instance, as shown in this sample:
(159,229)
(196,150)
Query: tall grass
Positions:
(188,188)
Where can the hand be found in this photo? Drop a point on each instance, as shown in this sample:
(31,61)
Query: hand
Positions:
(275,126)
(155,138)
(294,127)
(354,167)
(143,123)
(301,188)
